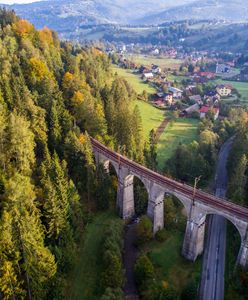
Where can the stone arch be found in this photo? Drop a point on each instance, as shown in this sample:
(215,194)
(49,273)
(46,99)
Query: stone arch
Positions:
(186,202)
(240,249)
(238,224)
(178,207)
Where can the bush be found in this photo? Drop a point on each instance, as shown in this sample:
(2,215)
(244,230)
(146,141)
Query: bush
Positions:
(161,235)
(143,231)
(143,270)
(113,294)
(190,292)
(113,274)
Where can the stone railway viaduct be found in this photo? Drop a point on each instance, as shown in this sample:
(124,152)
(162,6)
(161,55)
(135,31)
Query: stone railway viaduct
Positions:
(157,187)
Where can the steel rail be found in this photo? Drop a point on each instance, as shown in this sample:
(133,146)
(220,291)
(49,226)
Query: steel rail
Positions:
(184,189)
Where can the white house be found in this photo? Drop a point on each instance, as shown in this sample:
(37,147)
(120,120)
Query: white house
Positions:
(147,75)
(177,94)
(223,68)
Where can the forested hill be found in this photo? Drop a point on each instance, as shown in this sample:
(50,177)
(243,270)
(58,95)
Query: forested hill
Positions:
(51,94)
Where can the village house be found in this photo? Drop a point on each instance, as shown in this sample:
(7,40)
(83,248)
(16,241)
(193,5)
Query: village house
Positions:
(177,94)
(195,99)
(168,98)
(205,109)
(208,75)
(147,76)
(190,110)
(224,90)
(223,68)
(156,69)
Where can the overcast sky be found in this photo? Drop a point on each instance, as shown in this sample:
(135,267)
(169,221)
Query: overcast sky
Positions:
(16,1)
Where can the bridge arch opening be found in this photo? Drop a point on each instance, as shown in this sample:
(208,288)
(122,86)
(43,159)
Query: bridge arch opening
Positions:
(140,197)
(107,186)
(216,225)
(175,213)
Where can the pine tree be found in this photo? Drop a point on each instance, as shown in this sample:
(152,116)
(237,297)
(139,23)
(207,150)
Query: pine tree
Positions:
(35,259)
(54,127)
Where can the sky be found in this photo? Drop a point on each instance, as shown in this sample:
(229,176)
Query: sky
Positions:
(16,1)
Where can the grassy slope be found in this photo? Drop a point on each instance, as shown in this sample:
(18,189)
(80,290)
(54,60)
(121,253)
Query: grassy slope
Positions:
(170,265)
(151,116)
(134,80)
(162,62)
(182,131)
(85,280)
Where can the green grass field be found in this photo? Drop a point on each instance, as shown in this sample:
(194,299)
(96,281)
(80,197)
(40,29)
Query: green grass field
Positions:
(134,80)
(170,266)
(85,280)
(151,116)
(164,62)
(182,131)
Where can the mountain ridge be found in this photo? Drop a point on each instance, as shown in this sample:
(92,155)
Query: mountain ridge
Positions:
(71,15)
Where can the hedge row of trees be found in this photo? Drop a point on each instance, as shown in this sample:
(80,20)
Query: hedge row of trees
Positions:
(113,274)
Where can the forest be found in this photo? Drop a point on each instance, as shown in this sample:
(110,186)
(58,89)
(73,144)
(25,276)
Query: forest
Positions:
(53,96)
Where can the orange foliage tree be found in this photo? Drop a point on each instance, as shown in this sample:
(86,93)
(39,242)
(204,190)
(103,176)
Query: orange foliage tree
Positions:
(23,28)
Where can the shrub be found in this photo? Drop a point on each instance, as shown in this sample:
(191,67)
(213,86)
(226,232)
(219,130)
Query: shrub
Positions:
(143,270)
(113,294)
(161,235)
(143,230)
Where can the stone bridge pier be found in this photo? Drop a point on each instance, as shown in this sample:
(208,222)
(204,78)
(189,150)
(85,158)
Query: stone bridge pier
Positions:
(193,244)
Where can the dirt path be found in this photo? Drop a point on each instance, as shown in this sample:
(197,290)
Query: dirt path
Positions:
(130,255)
(162,127)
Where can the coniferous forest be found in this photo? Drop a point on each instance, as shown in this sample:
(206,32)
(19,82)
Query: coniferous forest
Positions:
(53,95)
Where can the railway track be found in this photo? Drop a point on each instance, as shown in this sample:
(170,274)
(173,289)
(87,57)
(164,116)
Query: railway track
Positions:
(184,189)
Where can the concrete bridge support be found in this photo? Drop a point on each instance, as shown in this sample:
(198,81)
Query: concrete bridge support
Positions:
(193,244)
(155,210)
(125,196)
(243,254)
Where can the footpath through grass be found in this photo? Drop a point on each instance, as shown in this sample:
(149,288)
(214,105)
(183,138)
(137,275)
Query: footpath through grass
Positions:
(182,131)
(151,116)
(134,80)
(85,280)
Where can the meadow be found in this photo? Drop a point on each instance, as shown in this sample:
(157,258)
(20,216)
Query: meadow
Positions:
(134,80)
(163,62)
(151,116)
(181,131)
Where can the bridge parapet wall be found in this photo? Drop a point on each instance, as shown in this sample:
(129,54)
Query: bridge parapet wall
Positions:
(204,204)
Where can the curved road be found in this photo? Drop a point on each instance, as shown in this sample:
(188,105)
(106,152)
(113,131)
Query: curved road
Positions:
(213,272)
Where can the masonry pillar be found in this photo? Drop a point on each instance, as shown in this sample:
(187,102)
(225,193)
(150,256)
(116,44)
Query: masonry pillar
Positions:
(193,244)
(125,196)
(243,254)
(155,210)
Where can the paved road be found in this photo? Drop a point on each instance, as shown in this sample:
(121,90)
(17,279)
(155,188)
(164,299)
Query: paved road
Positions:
(212,282)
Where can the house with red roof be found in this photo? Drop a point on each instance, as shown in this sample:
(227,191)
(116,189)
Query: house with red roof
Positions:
(205,109)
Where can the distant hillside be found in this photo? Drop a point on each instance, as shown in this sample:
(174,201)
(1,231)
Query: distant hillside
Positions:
(235,10)
(69,15)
